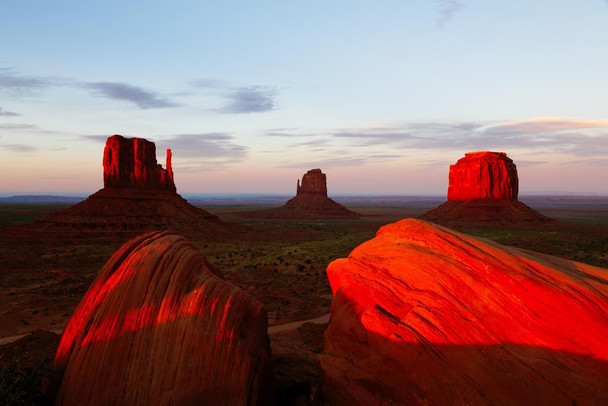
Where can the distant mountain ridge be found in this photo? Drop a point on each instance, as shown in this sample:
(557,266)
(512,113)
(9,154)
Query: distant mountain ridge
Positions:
(271,199)
(41,199)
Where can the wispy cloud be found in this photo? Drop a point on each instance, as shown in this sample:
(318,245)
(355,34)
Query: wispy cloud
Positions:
(142,98)
(5,113)
(204,146)
(254,99)
(19,147)
(343,161)
(13,81)
(447,9)
(547,134)
(18,126)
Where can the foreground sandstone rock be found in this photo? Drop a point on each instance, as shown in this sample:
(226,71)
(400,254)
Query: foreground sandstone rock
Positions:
(310,203)
(159,326)
(425,315)
(139,195)
(483,190)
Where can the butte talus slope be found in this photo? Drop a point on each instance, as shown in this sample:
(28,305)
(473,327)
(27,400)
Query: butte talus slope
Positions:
(139,195)
(426,315)
(310,203)
(160,326)
(483,190)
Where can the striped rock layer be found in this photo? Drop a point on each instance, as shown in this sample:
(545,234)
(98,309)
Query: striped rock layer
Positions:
(159,326)
(426,315)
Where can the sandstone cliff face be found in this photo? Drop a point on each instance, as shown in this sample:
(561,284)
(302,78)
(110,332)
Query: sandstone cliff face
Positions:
(425,315)
(314,182)
(311,201)
(139,196)
(483,175)
(131,162)
(159,326)
(483,190)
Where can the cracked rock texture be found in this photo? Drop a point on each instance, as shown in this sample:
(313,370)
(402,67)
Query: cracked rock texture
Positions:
(426,315)
(159,326)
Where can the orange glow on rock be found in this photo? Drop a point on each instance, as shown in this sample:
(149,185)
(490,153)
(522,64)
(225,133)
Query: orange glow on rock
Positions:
(158,323)
(426,309)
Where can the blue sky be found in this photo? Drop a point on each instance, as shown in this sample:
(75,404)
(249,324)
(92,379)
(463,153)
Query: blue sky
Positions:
(382,96)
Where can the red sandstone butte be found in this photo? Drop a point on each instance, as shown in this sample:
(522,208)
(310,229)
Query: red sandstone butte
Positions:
(314,182)
(131,162)
(425,315)
(483,175)
(159,325)
(310,203)
(483,190)
(311,199)
(139,195)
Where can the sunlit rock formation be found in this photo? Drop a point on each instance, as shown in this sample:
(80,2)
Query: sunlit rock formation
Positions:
(426,315)
(483,189)
(160,326)
(139,195)
(131,163)
(483,175)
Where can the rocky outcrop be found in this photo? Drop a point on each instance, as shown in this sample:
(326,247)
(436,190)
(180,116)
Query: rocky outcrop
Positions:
(131,163)
(160,326)
(314,182)
(139,196)
(310,203)
(426,315)
(483,190)
(483,175)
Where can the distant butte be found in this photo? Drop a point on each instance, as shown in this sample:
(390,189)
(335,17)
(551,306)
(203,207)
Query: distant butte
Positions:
(310,203)
(483,190)
(139,195)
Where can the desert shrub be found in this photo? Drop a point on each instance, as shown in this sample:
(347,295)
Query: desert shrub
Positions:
(22,385)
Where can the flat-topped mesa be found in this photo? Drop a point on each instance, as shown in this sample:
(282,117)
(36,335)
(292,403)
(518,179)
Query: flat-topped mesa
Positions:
(483,175)
(314,182)
(131,163)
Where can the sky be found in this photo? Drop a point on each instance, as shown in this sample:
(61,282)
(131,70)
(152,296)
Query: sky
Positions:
(382,96)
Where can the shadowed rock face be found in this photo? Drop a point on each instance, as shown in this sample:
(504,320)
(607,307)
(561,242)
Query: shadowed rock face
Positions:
(483,189)
(314,182)
(311,200)
(425,315)
(131,162)
(483,175)
(159,326)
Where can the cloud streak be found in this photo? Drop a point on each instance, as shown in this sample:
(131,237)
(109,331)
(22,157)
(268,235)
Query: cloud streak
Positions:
(447,9)
(204,146)
(5,113)
(142,98)
(19,148)
(254,99)
(12,81)
(577,137)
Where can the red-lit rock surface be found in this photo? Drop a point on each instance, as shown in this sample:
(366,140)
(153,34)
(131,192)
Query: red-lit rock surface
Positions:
(426,315)
(483,189)
(483,175)
(310,203)
(131,162)
(139,196)
(159,326)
